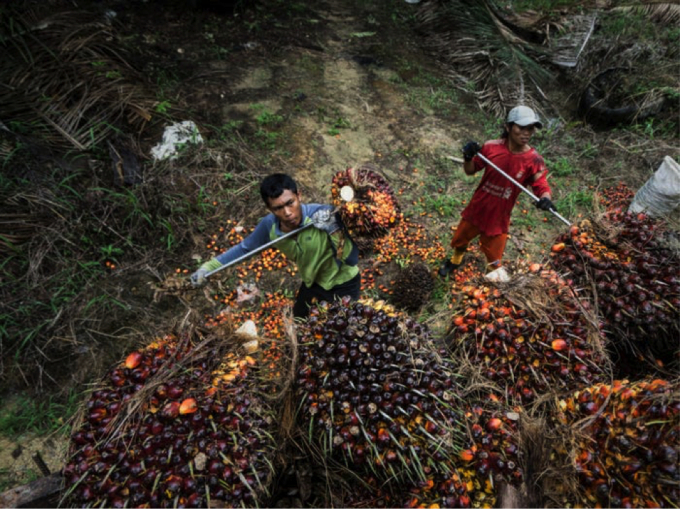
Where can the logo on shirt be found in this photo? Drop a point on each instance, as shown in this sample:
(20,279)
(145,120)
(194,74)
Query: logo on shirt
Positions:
(520,174)
(507,193)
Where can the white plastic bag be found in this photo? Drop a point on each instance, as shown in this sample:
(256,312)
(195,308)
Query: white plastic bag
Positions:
(499,275)
(661,193)
(175,136)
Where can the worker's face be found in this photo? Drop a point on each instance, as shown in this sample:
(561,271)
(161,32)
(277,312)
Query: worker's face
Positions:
(287,209)
(519,136)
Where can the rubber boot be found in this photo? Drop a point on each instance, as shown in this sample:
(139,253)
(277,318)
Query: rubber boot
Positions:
(447,268)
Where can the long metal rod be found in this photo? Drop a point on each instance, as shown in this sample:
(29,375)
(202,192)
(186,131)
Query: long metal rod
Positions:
(257,250)
(533,196)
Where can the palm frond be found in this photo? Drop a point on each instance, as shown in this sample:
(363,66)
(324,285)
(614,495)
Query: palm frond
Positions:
(666,13)
(481,52)
(63,79)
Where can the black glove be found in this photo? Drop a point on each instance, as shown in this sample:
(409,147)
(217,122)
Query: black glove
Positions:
(470,150)
(545,204)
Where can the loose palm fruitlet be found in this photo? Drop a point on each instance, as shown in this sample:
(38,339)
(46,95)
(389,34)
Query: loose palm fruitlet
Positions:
(372,211)
(625,443)
(377,397)
(529,337)
(177,424)
(412,287)
(636,279)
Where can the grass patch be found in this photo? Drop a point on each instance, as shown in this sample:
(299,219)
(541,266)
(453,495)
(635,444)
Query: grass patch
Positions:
(561,167)
(574,202)
(541,5)
(443,205)
(25,414)
(431,95)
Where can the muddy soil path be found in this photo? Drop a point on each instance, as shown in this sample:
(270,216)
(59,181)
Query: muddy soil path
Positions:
(344,104)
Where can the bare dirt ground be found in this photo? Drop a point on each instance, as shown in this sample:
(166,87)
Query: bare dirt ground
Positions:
(345,84)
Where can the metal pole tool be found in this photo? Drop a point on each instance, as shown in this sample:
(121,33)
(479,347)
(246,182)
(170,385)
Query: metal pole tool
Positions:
(533,196)
(257,250)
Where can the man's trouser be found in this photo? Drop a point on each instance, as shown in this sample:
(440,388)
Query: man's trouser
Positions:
(307,295)
(492,246)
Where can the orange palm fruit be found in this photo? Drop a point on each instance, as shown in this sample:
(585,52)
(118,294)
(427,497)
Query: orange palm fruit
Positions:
(188,406)
(133,360)
(559,344)
(467,455)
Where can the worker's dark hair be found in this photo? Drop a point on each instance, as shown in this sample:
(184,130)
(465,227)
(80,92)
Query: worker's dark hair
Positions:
(506,129)
(274,185)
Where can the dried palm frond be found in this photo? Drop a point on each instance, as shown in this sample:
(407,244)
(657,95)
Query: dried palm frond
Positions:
(482,52)
(666,13)
(64,80)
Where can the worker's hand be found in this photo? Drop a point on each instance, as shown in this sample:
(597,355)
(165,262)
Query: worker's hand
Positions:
(545,204)
(198,278)
(324,219)
(470,150)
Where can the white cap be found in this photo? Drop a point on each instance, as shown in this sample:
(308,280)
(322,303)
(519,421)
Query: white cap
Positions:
(523,116)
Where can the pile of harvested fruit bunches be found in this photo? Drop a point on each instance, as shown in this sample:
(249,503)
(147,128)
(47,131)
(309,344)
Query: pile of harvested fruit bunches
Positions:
(529,337)
(179,423)
(622,440)
(634,278)
(377,397)
(370,209)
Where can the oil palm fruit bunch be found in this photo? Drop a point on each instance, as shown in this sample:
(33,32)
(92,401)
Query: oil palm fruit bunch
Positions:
(624,443)
(492,452)
(377,397)
(366,202)
(412,287)
(490,455)
(529,336)
(634,276)
(179,423)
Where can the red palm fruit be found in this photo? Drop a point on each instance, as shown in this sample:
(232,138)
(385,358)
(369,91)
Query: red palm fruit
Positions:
(133,360)
(174,391)
(558,247)
(559,345)
(96,415)
(494,424)
(188,406)
(171,410)
(118,378)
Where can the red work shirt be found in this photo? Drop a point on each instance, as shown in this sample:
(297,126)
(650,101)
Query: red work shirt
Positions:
(493,200)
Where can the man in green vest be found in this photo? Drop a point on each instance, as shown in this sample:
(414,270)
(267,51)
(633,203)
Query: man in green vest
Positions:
(325,254)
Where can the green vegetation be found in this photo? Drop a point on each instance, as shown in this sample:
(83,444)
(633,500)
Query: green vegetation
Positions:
(431,94)
(24,414)
(337,124)
(574,202)
(629,23)
(541,5)
(561,167)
